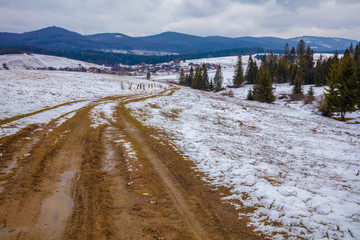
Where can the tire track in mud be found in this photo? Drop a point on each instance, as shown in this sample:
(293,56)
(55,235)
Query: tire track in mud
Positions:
(83,182)
(37,201)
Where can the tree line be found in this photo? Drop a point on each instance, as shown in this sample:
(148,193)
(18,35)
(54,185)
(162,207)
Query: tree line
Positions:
(112,59)
(297,67)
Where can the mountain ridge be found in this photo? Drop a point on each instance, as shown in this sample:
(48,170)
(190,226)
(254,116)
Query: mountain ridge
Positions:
(172,42)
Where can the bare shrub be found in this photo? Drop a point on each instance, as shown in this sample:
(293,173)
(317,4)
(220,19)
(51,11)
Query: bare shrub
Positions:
(323,107)
(309,99)
(297,97)
(228,93)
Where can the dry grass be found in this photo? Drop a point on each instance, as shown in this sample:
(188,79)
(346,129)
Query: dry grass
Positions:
(206,202)
(8,120)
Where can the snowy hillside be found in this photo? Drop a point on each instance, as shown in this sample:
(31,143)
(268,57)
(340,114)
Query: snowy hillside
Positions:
(33,61)
(299,171)
(24,92)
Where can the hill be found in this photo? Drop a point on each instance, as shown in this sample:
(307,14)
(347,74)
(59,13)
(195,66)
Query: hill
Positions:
(170,42)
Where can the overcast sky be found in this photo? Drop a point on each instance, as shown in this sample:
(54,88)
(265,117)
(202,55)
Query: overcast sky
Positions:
(232,18)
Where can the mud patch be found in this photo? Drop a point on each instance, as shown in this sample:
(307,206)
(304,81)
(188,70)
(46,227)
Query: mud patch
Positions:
(56,209)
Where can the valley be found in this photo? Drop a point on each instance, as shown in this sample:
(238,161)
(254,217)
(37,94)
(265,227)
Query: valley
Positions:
(98,156)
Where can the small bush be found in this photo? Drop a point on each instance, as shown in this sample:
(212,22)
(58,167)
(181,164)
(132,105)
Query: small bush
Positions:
(309,99)
(297,97)
(228,93)
(323,107)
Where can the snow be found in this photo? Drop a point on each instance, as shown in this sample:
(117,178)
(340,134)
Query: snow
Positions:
(27,91)
(102,114)
(297,168)
(33,61)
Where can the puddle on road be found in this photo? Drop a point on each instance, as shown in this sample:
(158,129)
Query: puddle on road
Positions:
(56,209)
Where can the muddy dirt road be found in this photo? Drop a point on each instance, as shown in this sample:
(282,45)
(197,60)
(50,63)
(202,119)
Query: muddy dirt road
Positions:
(113,180)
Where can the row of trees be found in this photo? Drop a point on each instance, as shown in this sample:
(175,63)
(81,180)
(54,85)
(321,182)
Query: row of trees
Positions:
(296,66)
(200,78)
(343,92)
(342,76)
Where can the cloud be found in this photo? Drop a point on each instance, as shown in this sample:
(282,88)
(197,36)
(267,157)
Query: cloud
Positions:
(282,18)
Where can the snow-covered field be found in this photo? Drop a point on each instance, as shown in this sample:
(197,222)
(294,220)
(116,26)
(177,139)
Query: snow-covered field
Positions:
(33,61)
(25,91)
(300,171)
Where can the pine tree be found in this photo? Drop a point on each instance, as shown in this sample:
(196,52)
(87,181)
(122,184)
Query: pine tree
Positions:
(311,91)
(190,77)
(357,64)
(250,95)
(205,78)
(300,50)
(263,90)
(293,70)
(343,87)
(297,89)
(196,83)
(282,71)
(308,66)
(351,49)
(287,53)
(357,55)
(251,71)
(272,64)
(238,78)
(292,55)
(211,85)
(182,78)
(218,79)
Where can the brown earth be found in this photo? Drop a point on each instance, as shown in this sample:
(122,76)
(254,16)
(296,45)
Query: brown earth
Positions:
(74,181)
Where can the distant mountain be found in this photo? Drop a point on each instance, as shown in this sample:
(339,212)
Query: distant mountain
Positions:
(172,42)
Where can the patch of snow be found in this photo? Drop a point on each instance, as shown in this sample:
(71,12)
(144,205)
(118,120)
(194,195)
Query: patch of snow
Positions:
(24,91)
(33,61)
(102,114)
(298,169)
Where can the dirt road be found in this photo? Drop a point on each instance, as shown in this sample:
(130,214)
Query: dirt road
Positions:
(117,180)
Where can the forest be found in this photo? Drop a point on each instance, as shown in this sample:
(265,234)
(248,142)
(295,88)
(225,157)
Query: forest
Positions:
(297,67)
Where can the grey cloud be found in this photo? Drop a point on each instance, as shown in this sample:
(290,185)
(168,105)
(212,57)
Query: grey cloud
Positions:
(232,18)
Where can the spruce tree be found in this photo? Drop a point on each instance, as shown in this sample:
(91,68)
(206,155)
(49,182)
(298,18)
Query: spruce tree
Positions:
(300,50)
(310,91)
(218,79)
(343,86)
(287,53)
(297,89)
(357,55)
(250,95)
(238,78)
(205,78)
(292,55)
(182,78)
(282,71)
(196,83)
(251,71)
(190,77)
(318,73)
(263,90)
(309,66)
(272,64)
(357,64)
(293,70)
(351,49)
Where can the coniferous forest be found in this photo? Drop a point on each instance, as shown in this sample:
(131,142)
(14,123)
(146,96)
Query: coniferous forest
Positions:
(297,67)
